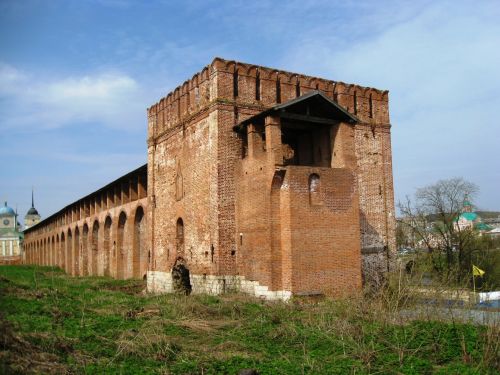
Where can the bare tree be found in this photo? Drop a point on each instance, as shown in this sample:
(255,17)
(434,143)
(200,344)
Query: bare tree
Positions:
(432,221)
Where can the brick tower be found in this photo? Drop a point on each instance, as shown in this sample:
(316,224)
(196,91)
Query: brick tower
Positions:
(269,182)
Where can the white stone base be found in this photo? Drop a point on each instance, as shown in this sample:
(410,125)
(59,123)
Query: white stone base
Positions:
(161,282)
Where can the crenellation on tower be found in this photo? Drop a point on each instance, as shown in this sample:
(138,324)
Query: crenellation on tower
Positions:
(259,180)
(203,89)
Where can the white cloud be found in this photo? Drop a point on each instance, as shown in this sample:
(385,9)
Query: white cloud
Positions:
(108,99)
(441,67)
(8,77)
(104,87)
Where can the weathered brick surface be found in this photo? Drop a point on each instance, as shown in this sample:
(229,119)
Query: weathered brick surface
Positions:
(229,206)
(185,182)
(11,260)
(241,222)
(101,234)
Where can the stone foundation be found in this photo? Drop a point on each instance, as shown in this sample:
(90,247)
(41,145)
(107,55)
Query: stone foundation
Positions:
(161,282)
(16,259)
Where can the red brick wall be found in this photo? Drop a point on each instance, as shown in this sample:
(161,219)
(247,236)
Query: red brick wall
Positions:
(50,246)
(214,94)
(325,245)
(288,238)
(184,156)
(78,240)
(289,243)
(228,155)
(196,172)
(11,260)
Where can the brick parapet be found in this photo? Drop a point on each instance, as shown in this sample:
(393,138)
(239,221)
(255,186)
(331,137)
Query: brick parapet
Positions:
(216,84)
(68,239)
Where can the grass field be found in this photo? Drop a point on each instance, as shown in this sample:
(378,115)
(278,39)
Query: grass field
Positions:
(52,323)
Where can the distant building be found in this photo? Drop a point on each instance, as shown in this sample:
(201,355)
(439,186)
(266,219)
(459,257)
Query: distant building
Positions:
(11,236)
(493,222)
(32,216)
(469,219)
(495,233)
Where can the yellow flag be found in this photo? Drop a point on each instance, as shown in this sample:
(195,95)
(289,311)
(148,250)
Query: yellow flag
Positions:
(476,271)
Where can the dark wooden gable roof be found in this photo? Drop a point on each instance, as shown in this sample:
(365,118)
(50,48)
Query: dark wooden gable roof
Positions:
(313,107)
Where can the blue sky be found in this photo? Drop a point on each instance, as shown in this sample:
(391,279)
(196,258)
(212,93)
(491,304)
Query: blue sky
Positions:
(77,76)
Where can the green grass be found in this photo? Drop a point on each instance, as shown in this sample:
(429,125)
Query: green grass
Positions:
(52,323)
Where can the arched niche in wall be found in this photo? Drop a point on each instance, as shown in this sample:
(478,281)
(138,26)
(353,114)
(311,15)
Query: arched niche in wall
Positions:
(85,250)
(315,190)
(138,244)
(107,247)
(95,247)
(179,236)
(121,251)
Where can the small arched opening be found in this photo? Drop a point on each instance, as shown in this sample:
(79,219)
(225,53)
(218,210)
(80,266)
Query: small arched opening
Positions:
(95,248)
(62,252)
(139,236)
(107,246)
(77,253)
(44,252)
(57,261)
(53,252)
(179,237)
(85,250)
(315,190)
(122,253)
(69,252)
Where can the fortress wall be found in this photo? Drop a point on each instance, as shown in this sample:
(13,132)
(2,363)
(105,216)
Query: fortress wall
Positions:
(193,156)
(103,233)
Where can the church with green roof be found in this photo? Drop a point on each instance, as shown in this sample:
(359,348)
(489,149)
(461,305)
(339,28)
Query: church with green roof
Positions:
(469,219)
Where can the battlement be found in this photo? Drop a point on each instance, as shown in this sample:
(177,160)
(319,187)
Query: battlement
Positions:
(252,85)
(301,202)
